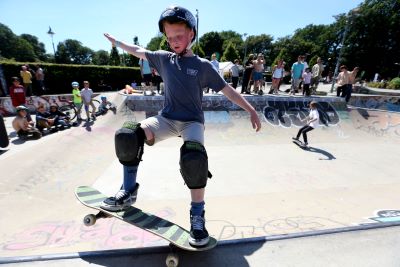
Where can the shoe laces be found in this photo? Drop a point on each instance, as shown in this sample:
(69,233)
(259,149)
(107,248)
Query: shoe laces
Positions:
(121,194)
(197,223)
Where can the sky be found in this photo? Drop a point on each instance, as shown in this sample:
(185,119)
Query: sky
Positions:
(87,20)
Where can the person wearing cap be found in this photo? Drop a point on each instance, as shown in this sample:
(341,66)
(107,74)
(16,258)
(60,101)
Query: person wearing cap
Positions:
(24,126)
(312,122)
(184,75)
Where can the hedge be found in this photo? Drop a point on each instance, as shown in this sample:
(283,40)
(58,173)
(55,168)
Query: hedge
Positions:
(58,77)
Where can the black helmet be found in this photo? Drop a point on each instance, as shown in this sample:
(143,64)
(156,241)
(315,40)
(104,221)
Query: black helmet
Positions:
(176,14)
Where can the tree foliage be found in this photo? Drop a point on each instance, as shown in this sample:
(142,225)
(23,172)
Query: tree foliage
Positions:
(73,52)
(230,53)
(115,59)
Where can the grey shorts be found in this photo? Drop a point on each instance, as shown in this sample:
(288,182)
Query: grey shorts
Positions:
(164,128)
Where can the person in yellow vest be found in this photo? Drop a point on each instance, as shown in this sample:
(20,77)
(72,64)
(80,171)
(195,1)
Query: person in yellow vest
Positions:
(77,99)
(26,80)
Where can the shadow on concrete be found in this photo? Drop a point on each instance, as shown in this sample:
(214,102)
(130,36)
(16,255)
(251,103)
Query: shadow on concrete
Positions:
(227,255)
(328,155)
(3,151)
(88,125)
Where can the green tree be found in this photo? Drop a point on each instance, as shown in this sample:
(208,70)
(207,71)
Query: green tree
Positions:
(234,38)
(73,52)
(211,42)
(100,57)
(38,47)
(115,59)
(260,44)
(154,43)
(198,50)
(230,53)
(373,37)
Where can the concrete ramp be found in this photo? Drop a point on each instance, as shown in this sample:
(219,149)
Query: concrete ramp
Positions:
(263,184)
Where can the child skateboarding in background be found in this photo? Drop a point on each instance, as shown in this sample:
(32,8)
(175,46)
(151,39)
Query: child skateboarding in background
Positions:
(104,106)
(184,75)
(312,123)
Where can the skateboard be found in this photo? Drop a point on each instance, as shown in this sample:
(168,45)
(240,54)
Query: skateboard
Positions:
(4,141)
(300,144)
(177,236)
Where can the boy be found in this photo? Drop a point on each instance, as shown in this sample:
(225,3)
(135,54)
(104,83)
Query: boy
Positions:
(23,126)
(43,119)
(77,99)
(306,82)
(17,93)
(312,123)
(235,73)
(104,106)
(87,96)
(184,75)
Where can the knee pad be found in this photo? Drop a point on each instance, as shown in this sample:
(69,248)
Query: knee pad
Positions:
(194,165)
(129,143)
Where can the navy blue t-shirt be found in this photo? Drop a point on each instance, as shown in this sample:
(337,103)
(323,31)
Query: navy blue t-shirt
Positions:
(184,79)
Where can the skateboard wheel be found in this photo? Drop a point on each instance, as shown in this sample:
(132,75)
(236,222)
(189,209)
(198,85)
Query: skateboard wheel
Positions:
(89,220)
(172,260)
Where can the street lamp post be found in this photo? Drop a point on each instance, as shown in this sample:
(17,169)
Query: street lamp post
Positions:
(346,29)
(245,46)
(51,33)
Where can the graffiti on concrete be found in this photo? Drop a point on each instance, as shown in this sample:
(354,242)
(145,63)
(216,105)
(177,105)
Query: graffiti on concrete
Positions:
(378,123)
(7,109)
(105,234)
(386,216)
(279,226)
(390,103)
(291,113)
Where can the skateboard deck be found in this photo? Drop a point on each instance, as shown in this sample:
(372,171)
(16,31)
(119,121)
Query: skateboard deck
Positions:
(299,143)
(4,141)
(175,234)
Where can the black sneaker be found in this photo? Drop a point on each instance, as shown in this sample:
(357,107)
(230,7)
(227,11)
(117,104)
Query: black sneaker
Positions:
(198,233)
(295,138)
(122,200)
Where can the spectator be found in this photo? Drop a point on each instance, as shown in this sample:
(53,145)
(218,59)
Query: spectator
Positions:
(342,81)
(26,80)
(43,119)
(23,125)
(60,118)
(145,71)
(277,75)
(235,73)
(77,99)
(40,80)
(17,93)
(215,62)
(317,70)
(258,73)
(248,71)
(87,97)
(297,72)
(352,80)
(306,82)
(104,106)
(156,80)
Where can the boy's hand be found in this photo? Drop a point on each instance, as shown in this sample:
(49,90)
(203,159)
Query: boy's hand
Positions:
(255,121)
(110,38)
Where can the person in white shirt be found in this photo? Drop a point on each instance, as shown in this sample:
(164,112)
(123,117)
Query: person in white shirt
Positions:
(312,123)
(235,73)
(306,82)
(87,96)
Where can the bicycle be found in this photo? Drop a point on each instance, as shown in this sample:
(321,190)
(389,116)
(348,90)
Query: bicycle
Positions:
(71,110)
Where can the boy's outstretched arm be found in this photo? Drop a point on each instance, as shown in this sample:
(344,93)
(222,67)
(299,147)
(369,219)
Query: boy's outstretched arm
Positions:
(239,100)
(135,50)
